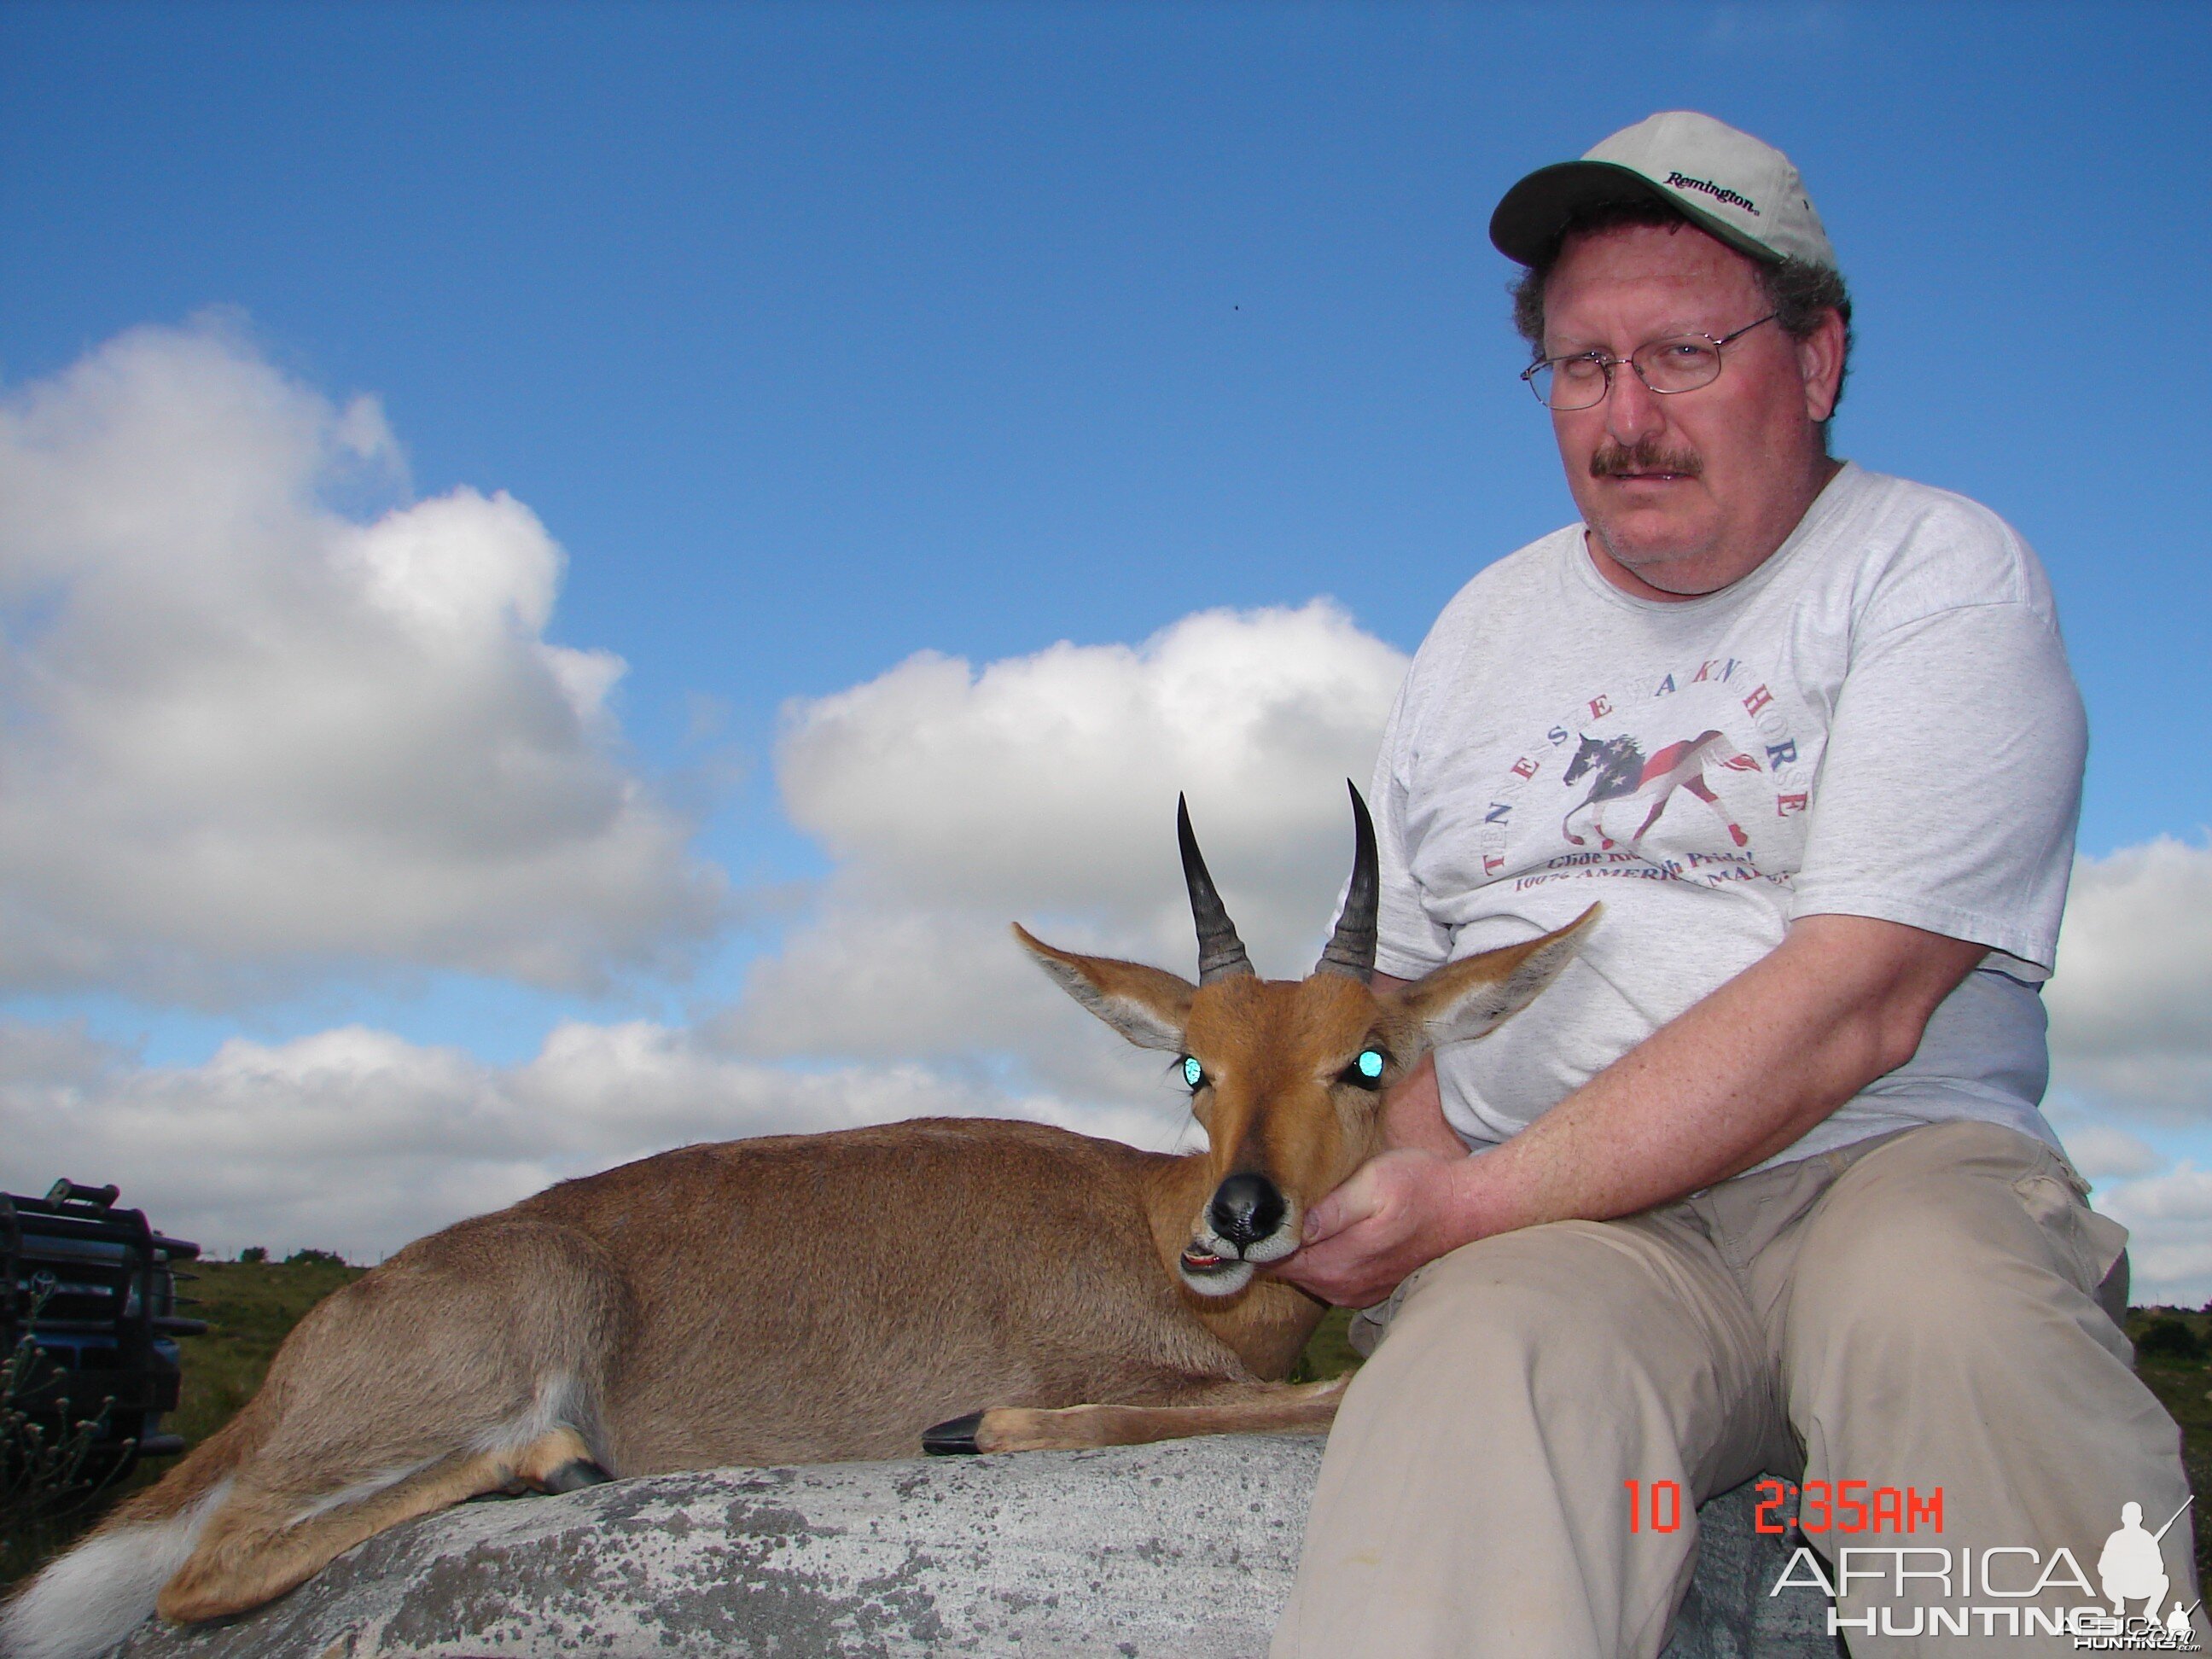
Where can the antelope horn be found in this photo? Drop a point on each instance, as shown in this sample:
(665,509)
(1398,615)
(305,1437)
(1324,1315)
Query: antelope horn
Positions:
(1350,949)
(1220,952)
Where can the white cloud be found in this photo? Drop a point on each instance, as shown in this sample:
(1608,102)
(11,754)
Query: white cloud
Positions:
(1042,789)
(2131,1001)
(355,1140)
(2104,1152)
(2130,1012)
(2169,1222)
(1050,781)
(247,737)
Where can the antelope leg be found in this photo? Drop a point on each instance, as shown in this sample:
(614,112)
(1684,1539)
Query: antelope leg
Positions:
(1225,1408)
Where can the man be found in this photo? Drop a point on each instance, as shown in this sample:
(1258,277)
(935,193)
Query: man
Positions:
(1760,1184)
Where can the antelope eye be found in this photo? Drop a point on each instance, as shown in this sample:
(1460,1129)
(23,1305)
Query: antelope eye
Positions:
(1366,1069)
(1193,1073)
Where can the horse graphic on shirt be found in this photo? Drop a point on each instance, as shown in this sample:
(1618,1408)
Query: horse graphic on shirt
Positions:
(1624,777)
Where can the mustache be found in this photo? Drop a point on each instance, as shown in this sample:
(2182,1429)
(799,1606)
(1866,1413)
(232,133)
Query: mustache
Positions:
(1612,460)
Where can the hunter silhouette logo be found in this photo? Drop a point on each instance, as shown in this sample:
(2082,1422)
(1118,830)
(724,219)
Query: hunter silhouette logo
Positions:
(2130,1569)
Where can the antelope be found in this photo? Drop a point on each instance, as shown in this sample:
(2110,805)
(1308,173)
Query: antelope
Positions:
(942,1285)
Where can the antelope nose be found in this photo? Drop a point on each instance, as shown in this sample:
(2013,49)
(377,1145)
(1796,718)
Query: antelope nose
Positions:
(1246,1209)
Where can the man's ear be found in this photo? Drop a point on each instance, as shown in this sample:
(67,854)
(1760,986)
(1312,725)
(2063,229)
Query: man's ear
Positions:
(1148,1005)
(1821,361)
(1464,999)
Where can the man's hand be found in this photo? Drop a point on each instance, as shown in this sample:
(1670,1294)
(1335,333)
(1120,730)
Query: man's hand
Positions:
(1395,1213)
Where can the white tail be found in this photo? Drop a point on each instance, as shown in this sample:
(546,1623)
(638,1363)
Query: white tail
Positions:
(100,1592)
(963,1284)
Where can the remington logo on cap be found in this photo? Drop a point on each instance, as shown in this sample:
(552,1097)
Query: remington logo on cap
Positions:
(1681,182)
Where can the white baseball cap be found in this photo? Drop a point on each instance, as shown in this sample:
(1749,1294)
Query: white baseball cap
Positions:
(1746,193)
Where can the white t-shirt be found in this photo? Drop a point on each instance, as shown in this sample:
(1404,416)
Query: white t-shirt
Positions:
(1878,721)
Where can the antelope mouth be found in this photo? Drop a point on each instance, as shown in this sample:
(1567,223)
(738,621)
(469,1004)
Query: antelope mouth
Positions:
(1213,1266)
(1214,1274)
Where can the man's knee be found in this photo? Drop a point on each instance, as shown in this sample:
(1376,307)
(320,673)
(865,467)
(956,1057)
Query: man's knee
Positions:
(1915,1272)
(1970,1244)
(1572,1306)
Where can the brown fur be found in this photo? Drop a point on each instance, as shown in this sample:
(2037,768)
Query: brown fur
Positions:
(811,1298)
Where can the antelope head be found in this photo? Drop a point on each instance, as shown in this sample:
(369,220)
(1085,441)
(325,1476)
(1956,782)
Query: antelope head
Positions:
(1287,1076)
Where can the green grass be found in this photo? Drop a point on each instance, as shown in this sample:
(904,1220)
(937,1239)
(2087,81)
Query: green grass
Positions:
(2183,1384)
(1327,1353)
(249,1306)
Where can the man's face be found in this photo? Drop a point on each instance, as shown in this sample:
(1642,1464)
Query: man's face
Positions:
(1686,493)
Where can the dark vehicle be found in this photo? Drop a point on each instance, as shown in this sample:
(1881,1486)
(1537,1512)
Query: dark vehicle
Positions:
(94,1288)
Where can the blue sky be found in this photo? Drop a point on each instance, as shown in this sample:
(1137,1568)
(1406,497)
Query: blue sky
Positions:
(819,335)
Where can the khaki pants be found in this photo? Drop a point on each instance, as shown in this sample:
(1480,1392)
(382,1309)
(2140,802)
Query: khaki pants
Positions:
(1914,1311)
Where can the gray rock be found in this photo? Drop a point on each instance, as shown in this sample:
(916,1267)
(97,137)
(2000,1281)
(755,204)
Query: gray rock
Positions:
(1179,1551)
(1730,1612)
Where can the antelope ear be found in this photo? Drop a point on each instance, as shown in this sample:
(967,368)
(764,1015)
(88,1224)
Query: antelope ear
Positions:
(1148,1005)
(1464,999)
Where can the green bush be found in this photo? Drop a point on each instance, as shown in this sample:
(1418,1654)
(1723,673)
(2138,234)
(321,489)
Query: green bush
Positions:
(2167,1338)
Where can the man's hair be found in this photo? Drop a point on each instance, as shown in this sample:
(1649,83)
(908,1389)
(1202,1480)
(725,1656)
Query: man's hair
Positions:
(1799,293)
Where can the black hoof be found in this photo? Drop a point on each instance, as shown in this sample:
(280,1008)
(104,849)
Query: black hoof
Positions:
(575,1476)
(955,1438)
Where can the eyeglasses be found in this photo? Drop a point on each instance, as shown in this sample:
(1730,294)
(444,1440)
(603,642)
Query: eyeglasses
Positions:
(1682,363)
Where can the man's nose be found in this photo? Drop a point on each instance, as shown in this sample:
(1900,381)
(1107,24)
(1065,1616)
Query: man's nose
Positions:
(1631,408)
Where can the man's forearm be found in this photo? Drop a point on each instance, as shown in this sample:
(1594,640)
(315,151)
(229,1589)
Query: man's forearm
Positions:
(1736,1078)
(1732,1081)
